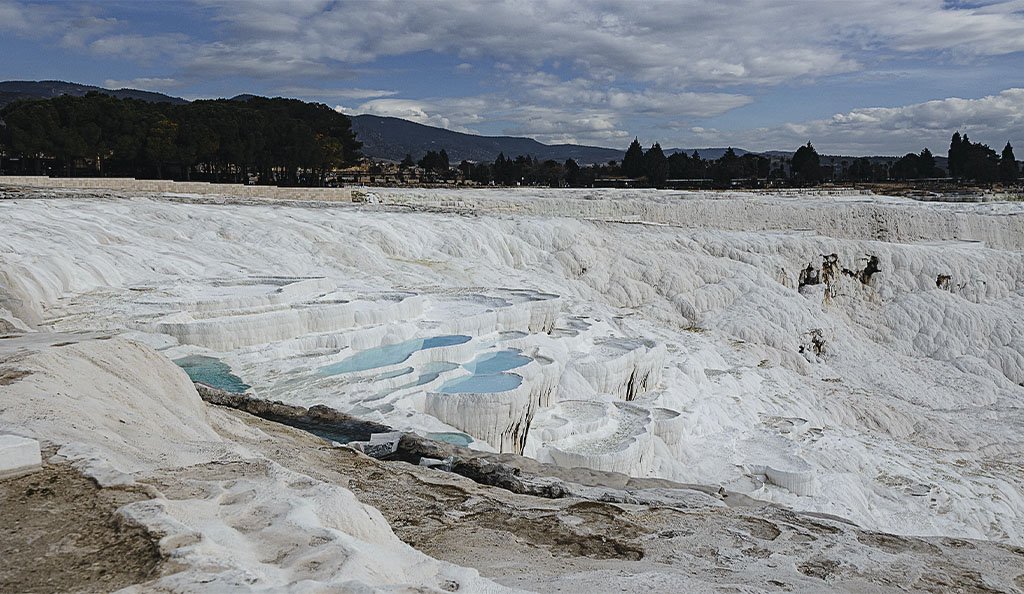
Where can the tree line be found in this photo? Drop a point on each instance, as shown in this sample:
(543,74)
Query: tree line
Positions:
(287,141)
(968,162)
(283,141)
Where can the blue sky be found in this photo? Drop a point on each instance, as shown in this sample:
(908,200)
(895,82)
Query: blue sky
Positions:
(854,77)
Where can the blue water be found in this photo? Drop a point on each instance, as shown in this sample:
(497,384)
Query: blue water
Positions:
(491,363)
(459,439)
(487,376)
(392,374)
(511,335)
(430,372)
(481,384)
(391,354)
(212,371)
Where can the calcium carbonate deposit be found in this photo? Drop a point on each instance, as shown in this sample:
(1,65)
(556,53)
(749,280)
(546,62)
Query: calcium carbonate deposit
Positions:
(854,355)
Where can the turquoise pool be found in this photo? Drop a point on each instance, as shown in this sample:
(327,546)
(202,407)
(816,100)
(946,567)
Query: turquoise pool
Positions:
(491,363)
(212,371)
(481,384)
(391,354)
(486,374)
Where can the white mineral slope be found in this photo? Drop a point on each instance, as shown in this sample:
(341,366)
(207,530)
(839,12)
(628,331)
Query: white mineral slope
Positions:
(800,373)
(132,419)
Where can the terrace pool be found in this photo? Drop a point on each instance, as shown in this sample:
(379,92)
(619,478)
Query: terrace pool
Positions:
(491,363)
(391,354)
(459,439)
(486,374)
(481,384)
(211,371)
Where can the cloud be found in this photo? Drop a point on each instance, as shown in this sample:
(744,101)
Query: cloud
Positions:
(350,93)
(142,83)
(141,48)
(993,119)
(31,20)
(423,112)
(559,70)
(677,43)
(76,27)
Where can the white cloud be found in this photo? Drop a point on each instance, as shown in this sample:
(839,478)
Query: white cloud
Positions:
(139,47)
(678,43)
(142,83)
(350,93)
(993,120)
(422,112)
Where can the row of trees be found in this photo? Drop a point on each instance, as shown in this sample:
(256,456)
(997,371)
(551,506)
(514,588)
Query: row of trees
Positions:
(654,168)
(976,161)
(277,140)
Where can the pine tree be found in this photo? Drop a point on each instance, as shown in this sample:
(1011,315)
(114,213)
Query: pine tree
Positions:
(954,157)
(1008,171)
(656,165)
(633,162)
(925,163)
(806,165)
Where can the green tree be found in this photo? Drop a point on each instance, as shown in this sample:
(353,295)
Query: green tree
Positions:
(727,168)
(1008,170)
(655,165)
(572,172)
(980,162)
(162,144)
(633,162)
(908,167)
(926,163)
(957,155)
(806,165)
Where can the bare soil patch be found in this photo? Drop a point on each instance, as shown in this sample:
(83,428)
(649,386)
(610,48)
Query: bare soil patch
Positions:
(59,533)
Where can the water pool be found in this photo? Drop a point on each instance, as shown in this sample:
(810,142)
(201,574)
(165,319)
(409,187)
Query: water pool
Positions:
(491,363)
(459,439)
(211,371)
(481,384)
(391,354)
(486,374)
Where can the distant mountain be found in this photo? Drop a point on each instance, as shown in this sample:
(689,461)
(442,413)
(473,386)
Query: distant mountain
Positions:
(708,153)
(12,90)
(393,138)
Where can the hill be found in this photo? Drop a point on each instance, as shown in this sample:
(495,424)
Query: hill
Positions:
(393,138)
(708,153)
(12,90)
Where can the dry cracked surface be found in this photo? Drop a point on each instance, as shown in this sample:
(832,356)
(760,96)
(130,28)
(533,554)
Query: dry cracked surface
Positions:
(575,545)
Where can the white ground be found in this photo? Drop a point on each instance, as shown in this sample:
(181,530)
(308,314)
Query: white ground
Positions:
(895,402)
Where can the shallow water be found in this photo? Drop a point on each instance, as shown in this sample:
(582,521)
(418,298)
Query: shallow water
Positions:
(391,354)
(487,376)
(481,384)
(459,439)
(491,363)
(211,371)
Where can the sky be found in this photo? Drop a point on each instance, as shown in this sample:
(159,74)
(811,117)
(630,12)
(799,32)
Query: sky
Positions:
(857,77)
